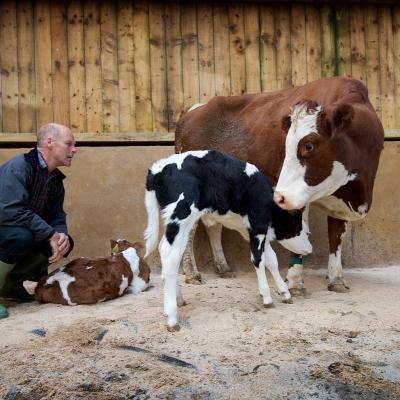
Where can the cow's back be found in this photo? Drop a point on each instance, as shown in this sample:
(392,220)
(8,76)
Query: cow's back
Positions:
(250,126)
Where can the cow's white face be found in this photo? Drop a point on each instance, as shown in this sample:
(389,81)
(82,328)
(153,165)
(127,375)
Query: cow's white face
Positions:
(309,170)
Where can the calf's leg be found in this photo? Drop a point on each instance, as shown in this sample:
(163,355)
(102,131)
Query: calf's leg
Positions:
(336,232)
(257,244)
(171,250)
(272,264)
(170,255)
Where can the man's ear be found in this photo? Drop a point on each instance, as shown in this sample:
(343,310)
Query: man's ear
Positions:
(341,117)
(286,122)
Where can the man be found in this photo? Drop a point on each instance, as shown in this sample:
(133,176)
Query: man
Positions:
(33,230)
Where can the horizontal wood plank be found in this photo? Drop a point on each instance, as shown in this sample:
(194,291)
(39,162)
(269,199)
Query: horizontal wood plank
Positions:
(143,137)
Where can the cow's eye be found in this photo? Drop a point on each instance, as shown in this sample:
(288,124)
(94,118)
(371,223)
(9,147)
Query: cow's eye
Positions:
(308,147)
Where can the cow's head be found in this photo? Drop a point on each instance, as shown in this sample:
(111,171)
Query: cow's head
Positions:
(315,149)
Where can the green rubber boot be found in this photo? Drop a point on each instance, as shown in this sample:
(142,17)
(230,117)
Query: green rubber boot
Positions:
(31,267)
(5,269)
(3,311)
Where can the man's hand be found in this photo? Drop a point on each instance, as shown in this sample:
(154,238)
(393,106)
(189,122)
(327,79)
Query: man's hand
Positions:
(59,244)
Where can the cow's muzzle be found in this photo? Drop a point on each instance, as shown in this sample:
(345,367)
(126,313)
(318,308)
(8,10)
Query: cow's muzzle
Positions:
(281,201)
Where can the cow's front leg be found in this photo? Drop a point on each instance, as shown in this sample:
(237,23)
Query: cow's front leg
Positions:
(214,233)
(189,265)
(336,232)
(294,275)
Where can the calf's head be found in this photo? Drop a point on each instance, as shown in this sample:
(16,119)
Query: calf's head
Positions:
(291,231)
(133,252)
(315,151)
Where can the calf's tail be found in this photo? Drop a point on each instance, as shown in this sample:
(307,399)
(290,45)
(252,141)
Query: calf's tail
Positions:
(153,217)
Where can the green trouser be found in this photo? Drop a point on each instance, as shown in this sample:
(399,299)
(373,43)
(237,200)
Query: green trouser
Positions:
(4,271)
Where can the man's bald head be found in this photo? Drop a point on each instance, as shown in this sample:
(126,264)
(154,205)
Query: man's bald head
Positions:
(52,131)
(56,144)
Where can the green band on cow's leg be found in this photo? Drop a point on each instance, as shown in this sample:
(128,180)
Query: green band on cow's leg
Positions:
(297,260)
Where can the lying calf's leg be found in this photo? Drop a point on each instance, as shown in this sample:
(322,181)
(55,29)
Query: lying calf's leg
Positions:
(189,265)
(258,259)
(272,264)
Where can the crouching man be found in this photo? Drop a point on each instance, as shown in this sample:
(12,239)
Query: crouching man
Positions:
(33,229)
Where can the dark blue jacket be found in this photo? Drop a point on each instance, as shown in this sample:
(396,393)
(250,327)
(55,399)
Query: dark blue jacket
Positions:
(32,198)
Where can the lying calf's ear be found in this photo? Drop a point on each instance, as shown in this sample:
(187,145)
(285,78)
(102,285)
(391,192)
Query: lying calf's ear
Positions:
(114,246)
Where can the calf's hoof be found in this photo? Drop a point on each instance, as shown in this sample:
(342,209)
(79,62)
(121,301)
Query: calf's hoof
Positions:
(269,305)
(338,288)
(298,292)
(193,279)
(173,328)
(287,301)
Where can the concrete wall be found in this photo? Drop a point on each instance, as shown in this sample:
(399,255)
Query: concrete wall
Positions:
(105,189)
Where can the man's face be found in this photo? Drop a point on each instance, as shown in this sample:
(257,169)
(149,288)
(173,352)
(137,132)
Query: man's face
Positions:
(63,148)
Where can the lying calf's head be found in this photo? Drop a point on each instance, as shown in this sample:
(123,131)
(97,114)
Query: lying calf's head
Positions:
(143,273)
(291,231)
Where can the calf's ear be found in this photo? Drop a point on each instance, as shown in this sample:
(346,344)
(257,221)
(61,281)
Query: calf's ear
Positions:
(341,117)
(114,246)
(286,122)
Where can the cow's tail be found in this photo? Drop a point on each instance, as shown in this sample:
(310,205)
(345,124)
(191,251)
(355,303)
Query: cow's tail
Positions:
(153,216)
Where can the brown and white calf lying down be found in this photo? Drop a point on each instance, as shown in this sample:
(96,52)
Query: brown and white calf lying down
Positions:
(88,281)
(213,186)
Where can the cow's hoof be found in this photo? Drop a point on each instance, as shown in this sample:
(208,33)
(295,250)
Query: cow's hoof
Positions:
(173,328)
(287,301)
(338,288)
(226,274)
(194,280)
(181,303)
(298,292)
(269,305)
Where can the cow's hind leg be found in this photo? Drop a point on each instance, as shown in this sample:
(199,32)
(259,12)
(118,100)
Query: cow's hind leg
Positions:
(214,233)
(336,232)
(257,244)
(189,265)
(272,264)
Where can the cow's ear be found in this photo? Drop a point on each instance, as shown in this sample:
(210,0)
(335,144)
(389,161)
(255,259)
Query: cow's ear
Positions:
(324,124)
(286,122)
(342,116)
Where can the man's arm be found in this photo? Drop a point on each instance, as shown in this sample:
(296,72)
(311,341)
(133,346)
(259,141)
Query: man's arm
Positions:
(14,197)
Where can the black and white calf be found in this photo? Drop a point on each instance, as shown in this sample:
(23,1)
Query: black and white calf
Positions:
(211,185)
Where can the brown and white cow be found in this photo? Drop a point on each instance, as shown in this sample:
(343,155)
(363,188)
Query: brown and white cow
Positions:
(322,140)
(89,281)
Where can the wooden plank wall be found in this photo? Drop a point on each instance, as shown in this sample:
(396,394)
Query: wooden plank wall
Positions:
(114,68)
